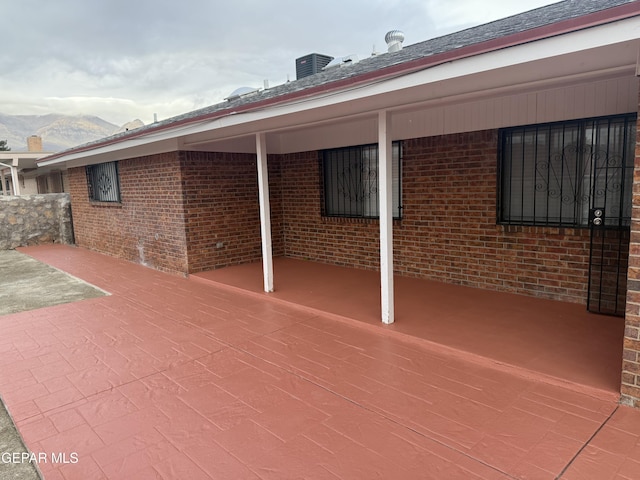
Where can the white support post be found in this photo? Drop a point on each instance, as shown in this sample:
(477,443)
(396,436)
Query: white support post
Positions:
(14,177)
(385,178)
(265,211)
(3,182)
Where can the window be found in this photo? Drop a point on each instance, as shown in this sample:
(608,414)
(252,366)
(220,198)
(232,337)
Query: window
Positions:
(103,183)
(351,181)
(41,181)
(553,174)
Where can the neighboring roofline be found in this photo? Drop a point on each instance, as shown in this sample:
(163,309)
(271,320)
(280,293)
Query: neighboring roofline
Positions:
(601,17)
(10,154)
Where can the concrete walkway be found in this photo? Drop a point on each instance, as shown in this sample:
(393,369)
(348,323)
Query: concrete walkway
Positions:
(26,284)
(14,455)
(172,378)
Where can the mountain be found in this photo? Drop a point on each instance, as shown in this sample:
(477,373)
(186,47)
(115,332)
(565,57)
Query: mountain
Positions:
(58,132)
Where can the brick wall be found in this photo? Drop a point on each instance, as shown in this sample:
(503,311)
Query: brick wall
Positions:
(180,212)
(630,387)
(448,231)
(147,227)
(192,211)
(276,195)
(222,210)
(310,236)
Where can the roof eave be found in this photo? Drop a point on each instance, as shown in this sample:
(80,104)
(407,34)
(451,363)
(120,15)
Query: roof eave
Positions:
(601,17)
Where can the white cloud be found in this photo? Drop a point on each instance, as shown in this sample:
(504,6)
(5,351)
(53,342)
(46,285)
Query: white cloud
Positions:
(122,60)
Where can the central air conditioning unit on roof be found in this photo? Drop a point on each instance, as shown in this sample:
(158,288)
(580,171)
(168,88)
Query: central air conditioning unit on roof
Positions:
(311,64)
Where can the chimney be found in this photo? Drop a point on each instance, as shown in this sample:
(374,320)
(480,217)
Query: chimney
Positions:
(34,143)
(394,40)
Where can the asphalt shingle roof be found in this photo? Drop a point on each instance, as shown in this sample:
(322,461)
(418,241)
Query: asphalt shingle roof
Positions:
(500,28)
(522,22)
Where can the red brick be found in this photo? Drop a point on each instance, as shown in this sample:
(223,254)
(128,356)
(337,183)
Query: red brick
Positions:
(204,209)
(442,190)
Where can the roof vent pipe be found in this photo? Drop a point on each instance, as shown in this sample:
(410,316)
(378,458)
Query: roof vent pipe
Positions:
(394,40)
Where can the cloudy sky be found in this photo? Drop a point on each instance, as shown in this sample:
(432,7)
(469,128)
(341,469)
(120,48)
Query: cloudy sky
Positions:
(122,60)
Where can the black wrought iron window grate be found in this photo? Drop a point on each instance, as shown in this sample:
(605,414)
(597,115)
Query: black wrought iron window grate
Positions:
(103,182)
(554,174)
(351,181)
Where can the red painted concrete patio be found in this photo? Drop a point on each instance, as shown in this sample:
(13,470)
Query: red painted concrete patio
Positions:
(172,378)
(559,341)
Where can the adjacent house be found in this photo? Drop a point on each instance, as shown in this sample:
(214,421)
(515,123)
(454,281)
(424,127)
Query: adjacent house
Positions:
(500,157)
(19,174)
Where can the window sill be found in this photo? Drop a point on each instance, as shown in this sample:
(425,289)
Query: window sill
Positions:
(351,220)
(97,203)
(544,229)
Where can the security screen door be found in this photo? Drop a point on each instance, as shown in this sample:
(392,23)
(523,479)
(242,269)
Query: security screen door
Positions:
(610,151)
(576,174)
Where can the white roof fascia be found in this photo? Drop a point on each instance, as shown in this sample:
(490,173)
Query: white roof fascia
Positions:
(11,155)
(569,43)
(574,42)
(126,144)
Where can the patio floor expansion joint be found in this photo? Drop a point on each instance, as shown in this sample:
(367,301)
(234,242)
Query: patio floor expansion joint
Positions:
(586,443)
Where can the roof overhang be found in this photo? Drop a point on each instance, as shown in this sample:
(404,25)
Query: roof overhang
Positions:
(606,50)
(21,160)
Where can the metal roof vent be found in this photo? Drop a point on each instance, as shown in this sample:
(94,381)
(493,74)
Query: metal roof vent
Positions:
(394,40)
(241,92)
(341,62)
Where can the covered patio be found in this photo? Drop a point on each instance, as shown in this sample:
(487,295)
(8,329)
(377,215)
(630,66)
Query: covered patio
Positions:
(171,378)
(434,164)
(558,341)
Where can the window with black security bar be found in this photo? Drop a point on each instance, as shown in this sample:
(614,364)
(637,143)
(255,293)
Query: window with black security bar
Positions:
(103,182)
(553,174)
(351,181)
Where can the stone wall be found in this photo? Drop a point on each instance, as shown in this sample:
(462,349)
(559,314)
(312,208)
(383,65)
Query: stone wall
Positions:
(35,219)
